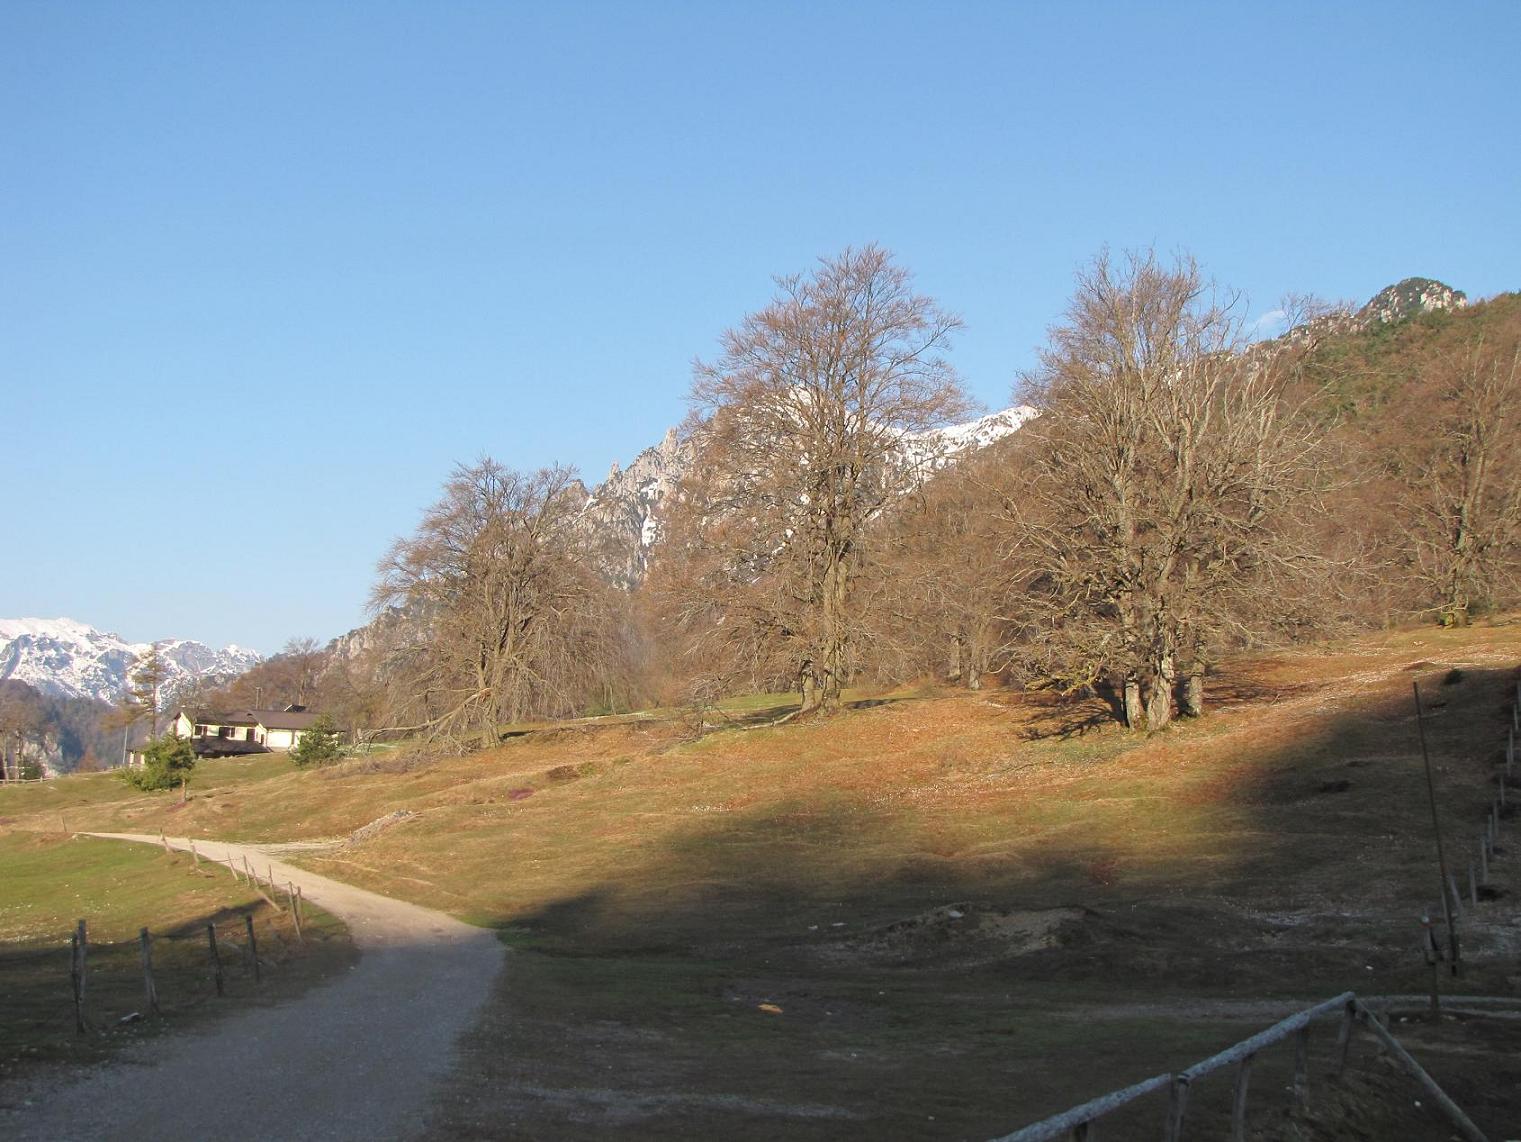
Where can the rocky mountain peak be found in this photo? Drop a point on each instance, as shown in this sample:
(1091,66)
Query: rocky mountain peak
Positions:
(1409,298)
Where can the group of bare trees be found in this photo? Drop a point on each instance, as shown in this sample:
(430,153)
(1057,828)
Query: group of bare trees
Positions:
(512,620)
(1117,541)
(1182,491)
(1464,495)
(1164,479)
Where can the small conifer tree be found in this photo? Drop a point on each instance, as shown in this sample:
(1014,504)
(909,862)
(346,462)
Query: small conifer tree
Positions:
(319,744)
(167,762)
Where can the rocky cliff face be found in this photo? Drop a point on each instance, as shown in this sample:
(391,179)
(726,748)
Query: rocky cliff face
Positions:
(622,512)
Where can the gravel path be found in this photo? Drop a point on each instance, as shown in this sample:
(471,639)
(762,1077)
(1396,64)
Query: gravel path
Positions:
(355,1059)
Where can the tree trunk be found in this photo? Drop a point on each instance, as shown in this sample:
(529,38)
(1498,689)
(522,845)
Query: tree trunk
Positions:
(1159,695)
(1191,696)
(809,685)
(1135,717)
(832,680)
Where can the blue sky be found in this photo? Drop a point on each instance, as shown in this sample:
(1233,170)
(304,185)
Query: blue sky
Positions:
(268,270)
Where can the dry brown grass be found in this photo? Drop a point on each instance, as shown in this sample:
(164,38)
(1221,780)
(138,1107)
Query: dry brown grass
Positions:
(660,888)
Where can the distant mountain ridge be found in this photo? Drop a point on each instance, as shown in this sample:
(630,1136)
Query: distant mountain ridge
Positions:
(69,659)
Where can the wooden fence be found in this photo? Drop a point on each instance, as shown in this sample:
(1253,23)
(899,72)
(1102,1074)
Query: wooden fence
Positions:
(216,962)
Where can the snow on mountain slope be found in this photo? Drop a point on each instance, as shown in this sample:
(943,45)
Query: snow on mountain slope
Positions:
(69,659)
(623,509)
(930,451)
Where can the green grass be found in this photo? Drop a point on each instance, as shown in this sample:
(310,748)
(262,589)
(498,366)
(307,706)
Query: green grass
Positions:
(118,888)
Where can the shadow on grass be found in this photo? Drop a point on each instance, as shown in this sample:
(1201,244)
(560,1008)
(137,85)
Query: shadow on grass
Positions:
(37,1017)
(838,965)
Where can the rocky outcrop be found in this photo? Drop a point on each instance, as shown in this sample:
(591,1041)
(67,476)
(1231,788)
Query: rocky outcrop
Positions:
(1409,298)
(622,512)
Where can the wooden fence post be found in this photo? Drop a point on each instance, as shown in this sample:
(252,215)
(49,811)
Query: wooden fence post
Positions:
(163,840)
(216,960)
(1238,1104)
(1451,1109)
(195,856)
(1302,1067)
(1454,952)
(1344,1036)
(1177,1107)
(295,915)
(77,974)
(150,992)
(253,945)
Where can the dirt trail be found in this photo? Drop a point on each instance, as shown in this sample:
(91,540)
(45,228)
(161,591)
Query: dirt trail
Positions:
(355,1059)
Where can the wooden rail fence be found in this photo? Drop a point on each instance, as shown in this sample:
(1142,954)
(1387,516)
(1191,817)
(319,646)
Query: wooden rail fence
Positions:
(266,887)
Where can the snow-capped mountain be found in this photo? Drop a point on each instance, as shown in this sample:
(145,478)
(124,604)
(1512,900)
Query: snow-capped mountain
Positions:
(933,450)
(71,660)
(623,510)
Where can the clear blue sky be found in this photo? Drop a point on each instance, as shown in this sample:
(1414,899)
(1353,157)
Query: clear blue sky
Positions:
(267,270)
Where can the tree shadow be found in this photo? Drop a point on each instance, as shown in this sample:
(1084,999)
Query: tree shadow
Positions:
(851,951)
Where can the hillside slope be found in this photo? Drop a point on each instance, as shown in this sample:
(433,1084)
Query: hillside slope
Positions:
(933,892)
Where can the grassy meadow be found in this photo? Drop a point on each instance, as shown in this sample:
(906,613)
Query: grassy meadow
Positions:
(939,915)
(52,880)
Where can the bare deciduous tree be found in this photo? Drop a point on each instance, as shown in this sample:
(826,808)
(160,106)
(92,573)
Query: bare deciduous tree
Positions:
(507,619)
(799,428)
(1465,493)
(946,597)
(1164,464)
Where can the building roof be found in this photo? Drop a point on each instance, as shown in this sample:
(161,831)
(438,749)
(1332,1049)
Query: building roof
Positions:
(211,718)
(285,719)
(294,718)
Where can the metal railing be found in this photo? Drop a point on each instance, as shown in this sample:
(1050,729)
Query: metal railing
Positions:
(1080,1124)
